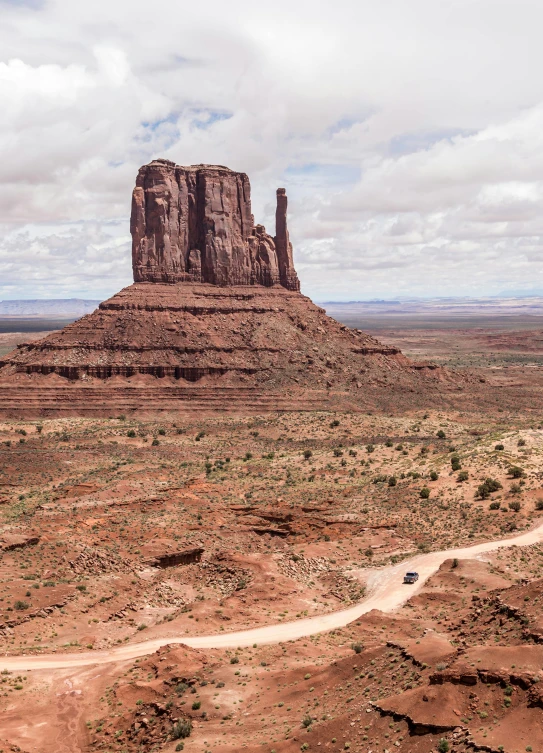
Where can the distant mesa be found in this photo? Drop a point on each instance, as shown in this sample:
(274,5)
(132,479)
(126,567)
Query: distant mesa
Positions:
(194,224)
(214,321)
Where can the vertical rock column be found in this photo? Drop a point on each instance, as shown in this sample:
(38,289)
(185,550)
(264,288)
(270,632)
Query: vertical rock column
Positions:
(194,224)
(283,246)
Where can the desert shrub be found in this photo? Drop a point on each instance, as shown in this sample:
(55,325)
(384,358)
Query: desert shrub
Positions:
(434,475)
(485,489)
(425,492)
(21,605)
(162,432)
(39,428)
(388,443)
(514,505)
(248,456)
(155,443)
(455,463)
(131,433)
(521,443)
(337,452)
(539,504)
(182,728)
(424,450)
(392,481)
(462,476)
(181,687)
(494,505)
(307,721)
(515,489)
(370,448)
(357,648)
(455,563)
(499,447)
(353,453)
(441,434)
(369,552)
(307,454)
(196,705)
(199,436)
(234,660)
(334,423)
(516,472)
(443,746)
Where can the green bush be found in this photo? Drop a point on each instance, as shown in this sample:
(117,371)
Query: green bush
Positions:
(392,481)
(182,728)
(370,448)
(441,434)
(425,492)
(516,472)
(514,505)
(485,489)
(307,454)
(499,447)
(131,433)
(539,504)
(462,476)
(434,475)
(494,505)
(196,705)
(155,443)
(21,605)
(443,746)
(357,648)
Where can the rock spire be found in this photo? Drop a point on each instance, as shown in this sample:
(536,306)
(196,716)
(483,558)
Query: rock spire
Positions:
(194,224)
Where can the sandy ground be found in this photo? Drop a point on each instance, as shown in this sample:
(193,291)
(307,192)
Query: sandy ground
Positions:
(387,594)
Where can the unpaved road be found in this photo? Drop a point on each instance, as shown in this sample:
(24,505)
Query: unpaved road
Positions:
(386,593)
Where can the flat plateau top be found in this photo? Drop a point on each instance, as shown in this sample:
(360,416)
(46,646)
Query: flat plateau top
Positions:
(194,168)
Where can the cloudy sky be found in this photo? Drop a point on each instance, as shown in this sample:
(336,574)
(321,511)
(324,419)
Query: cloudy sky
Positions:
(409,136)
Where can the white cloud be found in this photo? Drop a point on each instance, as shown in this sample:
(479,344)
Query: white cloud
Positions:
(408,135)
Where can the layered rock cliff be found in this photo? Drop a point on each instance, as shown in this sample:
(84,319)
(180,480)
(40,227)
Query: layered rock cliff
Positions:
(194,224)
(214,321)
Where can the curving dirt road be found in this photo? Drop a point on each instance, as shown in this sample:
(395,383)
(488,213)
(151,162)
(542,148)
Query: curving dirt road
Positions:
(386,593)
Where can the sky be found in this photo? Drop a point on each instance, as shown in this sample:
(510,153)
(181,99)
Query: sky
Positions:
(409,136)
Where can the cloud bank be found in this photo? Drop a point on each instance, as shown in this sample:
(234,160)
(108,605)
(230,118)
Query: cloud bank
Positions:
(409,136)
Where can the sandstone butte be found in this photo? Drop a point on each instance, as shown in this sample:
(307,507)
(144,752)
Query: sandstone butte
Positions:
(214,321)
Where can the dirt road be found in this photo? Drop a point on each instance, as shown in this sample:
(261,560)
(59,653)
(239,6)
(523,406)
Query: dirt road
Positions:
(386,592)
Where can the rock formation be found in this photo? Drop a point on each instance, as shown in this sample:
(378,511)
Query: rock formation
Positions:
(214,320)
(194,224)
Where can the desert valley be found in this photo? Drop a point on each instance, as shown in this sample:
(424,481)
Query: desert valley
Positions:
(210,492)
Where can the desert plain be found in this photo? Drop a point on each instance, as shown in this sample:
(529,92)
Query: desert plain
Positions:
(124,539)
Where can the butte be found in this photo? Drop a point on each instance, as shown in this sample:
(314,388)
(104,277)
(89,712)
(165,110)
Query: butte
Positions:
(214,321)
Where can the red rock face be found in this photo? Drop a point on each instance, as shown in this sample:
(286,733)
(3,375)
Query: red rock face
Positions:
(194,224)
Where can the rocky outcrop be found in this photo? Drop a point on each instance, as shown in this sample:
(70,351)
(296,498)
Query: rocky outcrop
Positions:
(214,321)
(194,224)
